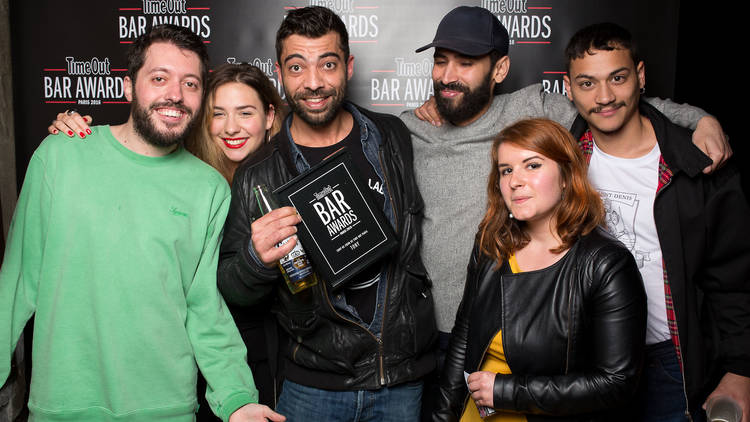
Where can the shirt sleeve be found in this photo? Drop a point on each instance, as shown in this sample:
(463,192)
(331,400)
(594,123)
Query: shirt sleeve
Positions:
(19,275)
(218,347)
(683,115)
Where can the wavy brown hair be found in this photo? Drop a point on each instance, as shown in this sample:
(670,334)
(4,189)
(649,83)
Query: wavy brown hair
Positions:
(579,211)
(201,144)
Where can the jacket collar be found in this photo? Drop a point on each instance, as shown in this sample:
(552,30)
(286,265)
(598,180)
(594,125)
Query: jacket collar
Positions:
(293,156)
(677,150)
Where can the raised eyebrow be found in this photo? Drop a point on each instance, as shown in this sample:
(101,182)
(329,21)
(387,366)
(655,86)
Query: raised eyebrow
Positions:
(613,73)
(322,56)
(293,56)
(531,158)
(329,54)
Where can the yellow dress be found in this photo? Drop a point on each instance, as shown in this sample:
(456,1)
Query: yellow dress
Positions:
(494,361)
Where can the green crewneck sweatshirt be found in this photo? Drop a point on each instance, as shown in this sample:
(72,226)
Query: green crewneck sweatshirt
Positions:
(115,254)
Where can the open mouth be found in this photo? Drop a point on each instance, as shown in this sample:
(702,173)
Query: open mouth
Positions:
(316,102)
(234,143)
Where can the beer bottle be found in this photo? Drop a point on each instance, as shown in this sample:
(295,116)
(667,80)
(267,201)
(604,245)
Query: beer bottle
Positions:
(296,268)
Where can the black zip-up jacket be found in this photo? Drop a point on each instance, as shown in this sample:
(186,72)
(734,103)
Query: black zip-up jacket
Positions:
(324,349)
(703,224)
(573,334)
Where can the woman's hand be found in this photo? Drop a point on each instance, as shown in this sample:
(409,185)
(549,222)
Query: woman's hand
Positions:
(481,387)
(71,123)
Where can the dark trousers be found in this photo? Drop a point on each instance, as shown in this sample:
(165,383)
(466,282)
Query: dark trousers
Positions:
(661,394)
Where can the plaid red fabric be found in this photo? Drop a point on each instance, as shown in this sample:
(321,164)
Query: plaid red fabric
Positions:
(586,143)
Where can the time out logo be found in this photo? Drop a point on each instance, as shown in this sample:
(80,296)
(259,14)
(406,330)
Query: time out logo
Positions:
(526,23)
(134,21)
(83,81)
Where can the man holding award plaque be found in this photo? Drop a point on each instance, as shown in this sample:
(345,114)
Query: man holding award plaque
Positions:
(354,346)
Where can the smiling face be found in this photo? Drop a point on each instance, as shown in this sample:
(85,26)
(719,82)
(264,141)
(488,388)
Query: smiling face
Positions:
(530,183)
(464,84)
(315,72)
(166,95)
(239,122)
(605,88)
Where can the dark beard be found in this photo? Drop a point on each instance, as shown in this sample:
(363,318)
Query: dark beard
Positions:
(318,119)
(145,128)
(472,103)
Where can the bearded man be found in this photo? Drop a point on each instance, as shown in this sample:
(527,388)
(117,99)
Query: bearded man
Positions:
(113,247)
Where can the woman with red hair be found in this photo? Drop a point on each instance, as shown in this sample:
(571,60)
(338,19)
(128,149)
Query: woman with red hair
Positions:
(553,315)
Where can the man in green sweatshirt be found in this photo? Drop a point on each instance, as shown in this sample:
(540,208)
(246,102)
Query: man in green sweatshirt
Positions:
(113,247)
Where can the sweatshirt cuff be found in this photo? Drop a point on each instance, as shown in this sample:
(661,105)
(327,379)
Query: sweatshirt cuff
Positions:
(234,402)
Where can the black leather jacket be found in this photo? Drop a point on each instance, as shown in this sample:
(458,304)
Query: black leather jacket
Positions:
(325,349)
(573,333)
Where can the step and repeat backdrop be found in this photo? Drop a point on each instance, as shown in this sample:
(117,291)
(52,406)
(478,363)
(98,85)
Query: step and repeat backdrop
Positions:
(71,54)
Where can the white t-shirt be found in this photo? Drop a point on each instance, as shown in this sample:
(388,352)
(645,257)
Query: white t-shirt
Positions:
(628,187)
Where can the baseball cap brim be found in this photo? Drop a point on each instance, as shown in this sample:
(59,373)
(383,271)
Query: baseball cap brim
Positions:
(467,48)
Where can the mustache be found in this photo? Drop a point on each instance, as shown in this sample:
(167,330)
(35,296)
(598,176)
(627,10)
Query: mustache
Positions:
(609,106)
(453,86)
(178,105)
(320,92)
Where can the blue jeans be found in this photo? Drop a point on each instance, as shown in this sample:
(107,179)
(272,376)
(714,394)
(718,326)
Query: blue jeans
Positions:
(661,393)
(300,403)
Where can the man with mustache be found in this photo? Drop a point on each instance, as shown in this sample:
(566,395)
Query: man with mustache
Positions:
(690,227)
(357,353)
(452,159)
(113,247)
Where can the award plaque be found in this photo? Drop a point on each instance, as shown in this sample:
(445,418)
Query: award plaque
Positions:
(342,228)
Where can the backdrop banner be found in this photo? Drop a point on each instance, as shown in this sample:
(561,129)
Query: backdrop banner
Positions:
(71,54)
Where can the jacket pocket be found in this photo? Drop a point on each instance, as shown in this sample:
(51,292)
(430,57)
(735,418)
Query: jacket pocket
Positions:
(422,306)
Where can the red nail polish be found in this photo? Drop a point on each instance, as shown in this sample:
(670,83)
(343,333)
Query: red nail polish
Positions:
(88,131)
(70,133)
(82,135)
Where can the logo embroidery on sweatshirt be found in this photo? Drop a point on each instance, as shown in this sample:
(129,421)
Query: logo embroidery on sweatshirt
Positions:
(175,211)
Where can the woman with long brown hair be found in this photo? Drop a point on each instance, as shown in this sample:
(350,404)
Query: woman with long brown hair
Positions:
(552,319)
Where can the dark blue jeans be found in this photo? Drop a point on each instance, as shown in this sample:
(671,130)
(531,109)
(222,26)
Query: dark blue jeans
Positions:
(661,393)
(300,403)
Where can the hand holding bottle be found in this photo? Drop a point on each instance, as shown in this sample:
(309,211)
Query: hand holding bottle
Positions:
(270,230)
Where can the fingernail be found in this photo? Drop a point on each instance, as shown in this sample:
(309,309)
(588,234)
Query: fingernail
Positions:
(88,131)
(82,135)
(54,131)
(70,133)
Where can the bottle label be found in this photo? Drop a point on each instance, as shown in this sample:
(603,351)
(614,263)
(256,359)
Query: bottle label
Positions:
(295,263)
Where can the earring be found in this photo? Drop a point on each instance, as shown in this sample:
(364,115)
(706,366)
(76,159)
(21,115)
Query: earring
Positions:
(510,215)
(643,90)
(268,136)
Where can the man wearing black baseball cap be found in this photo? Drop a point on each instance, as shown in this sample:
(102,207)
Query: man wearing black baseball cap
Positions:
(452,160)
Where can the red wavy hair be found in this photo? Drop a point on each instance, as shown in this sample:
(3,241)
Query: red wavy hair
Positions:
(579,211)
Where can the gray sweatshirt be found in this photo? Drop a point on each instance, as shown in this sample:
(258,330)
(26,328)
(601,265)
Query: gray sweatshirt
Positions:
(452,164)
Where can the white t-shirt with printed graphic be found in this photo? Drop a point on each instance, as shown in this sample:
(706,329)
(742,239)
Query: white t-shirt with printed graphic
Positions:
(628,188)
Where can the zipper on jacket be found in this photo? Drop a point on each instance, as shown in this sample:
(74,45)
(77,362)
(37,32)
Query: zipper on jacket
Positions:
(570,307)
(383,381)
(677,328)
(379,341)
